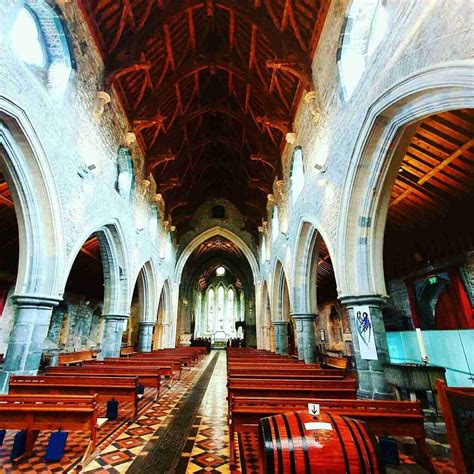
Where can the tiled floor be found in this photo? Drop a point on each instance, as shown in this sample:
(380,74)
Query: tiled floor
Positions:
(206,448)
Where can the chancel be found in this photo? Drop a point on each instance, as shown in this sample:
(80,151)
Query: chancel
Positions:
(236,236)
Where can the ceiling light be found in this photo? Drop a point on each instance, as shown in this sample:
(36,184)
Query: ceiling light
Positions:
(220,271)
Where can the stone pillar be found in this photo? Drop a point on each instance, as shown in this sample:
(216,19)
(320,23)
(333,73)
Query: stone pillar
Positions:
(113,331)
(165,337)
(266,338)
(305,334)
(145,334)
(281,337)
(32,317)
(372,383)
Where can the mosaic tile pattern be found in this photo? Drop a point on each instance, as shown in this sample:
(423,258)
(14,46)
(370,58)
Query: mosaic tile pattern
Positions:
(207,449)
(119,442)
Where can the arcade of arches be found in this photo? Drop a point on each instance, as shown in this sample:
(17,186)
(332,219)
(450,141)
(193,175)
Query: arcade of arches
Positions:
(292,180)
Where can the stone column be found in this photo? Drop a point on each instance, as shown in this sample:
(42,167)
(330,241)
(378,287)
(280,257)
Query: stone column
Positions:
(266,337)
(32,317)
(305,334)
(281,337)
(165,336)
(113,331)
(372,383)
(145,334)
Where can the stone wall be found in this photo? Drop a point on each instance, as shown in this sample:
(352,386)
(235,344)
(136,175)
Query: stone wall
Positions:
(420,37)
(72,139)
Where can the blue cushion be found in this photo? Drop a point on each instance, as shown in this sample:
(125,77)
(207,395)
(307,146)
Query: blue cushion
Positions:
(56,445)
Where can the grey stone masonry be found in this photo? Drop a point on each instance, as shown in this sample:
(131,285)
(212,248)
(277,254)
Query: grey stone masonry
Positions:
(32,316)
(305,336)
(281,337)
(113,331)
(145,335)
(372,383)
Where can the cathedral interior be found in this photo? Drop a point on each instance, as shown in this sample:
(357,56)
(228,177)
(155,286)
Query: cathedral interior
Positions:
(236,236)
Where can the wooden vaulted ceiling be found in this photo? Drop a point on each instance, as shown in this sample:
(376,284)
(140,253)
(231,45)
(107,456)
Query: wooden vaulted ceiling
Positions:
(211,88)
(429,217)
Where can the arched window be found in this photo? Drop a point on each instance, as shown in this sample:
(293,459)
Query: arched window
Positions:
(263,249)
(296,174)
(275,223)
(27,39)
(125,182)
(220,308)
(230,316)
(39,39)
(210,309)
(363,30)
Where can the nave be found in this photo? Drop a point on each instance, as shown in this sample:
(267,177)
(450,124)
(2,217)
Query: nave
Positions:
(284,185)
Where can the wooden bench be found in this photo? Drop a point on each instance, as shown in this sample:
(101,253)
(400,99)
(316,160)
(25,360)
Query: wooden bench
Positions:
(394,418)
(106,388)
(147,377)
(128,351)
(35,413)
(457,404)
(257,387)
(284,372)
(71,358)
(335,362)
(175,362)
(166,370)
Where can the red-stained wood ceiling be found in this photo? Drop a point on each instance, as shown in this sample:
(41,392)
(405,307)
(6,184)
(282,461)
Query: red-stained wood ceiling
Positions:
(211,88)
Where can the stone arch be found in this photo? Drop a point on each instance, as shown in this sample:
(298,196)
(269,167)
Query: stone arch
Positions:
(265,318)
(162,332)
(221,231)
(280,292)
(375,165)
(113,250)
(147,286)
(305,266)
(27,170)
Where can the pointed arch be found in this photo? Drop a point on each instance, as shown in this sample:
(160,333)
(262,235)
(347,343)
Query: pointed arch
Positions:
(374,167)
(36,200)
(147,286)
(113,250)
(305,266)
(215,231)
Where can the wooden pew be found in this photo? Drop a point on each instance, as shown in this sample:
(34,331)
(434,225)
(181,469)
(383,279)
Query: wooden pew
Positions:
(148,377)
(335,362)
(284,372)
(166,370)
(106,388)
(382,417)
(128,351)
(257,387)
(457,404)
(35,413)
(71,358)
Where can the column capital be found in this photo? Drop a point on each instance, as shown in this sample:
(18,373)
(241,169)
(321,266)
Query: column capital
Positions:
(116,317)
(279,323)
(44,301)
(146,323)
(304,316)
(376,300)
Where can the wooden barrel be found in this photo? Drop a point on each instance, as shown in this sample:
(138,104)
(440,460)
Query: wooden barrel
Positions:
(297,443)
